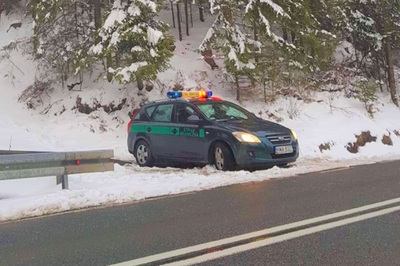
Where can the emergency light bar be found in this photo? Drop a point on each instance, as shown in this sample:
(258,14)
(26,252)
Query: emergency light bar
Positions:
(189,94)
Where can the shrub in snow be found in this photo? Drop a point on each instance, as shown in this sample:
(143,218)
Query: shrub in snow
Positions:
(33,95)
(387,140)
(108,108)
(325,146)
(362,139)
(366,93)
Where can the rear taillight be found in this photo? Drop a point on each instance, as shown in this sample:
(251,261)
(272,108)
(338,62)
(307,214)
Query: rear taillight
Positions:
(135,112)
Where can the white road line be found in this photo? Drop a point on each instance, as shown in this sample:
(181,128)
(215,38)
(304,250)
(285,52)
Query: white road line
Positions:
(256,234)
(281,238)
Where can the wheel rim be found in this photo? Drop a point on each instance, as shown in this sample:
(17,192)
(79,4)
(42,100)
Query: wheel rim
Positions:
(219,158)
(142,154)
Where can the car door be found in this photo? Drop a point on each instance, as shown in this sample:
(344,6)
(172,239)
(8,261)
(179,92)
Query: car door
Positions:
(161,131)
(190,141)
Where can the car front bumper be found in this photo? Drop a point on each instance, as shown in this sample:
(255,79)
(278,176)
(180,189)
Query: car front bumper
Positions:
(257,155)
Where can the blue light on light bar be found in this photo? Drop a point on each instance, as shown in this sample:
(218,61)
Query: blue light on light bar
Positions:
(174,94)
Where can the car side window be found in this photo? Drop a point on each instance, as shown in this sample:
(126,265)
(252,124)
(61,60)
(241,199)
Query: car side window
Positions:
(183,111)
(207,110)
(150,110)
(233,112)
(163,113)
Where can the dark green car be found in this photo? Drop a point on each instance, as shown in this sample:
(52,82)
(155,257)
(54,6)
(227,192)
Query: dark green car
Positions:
(208,131)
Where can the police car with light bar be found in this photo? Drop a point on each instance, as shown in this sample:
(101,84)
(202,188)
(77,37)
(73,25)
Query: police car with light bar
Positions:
(194,127)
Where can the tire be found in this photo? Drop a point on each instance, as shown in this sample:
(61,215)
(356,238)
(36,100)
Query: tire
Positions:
(223,158)
(143,154)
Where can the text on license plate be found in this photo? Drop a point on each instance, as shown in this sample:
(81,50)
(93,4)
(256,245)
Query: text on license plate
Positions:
(283,149)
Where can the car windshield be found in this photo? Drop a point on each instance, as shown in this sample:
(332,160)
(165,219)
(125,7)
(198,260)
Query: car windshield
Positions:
(223,111)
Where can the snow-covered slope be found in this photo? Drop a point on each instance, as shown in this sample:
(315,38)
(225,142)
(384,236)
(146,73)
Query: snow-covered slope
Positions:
(332,120)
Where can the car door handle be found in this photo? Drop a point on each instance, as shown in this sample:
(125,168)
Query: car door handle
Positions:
(148,129)
(174,131)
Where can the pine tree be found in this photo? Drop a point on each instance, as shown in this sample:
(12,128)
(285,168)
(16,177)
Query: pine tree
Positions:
(228,35)
(137,43)
(63,34)
(256,36)
(371,26)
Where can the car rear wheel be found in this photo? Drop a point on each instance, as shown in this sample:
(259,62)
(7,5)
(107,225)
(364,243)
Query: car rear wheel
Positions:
(143,154)
(223,158)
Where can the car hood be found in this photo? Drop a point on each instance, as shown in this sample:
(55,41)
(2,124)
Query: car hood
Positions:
(259,127)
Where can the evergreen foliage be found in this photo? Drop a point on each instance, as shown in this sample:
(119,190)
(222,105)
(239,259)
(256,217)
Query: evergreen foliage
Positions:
(9,5)
(371,27)
(274,44)
(137,43)
(63,34)
(273,38)
(366,93)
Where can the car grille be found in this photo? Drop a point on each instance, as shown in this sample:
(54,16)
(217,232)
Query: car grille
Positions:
(279,139)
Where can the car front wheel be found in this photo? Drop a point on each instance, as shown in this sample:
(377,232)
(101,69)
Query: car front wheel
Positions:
(223,158)
(143,154)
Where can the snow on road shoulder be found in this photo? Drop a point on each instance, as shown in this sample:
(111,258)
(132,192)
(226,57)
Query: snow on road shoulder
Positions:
(40,196)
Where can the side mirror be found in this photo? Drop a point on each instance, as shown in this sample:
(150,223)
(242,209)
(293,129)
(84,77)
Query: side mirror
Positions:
(193,118)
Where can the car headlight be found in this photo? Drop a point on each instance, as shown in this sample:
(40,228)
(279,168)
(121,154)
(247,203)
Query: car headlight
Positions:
(294,134)
(246,137)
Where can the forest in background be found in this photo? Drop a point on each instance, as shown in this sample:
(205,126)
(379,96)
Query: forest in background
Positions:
(279,46)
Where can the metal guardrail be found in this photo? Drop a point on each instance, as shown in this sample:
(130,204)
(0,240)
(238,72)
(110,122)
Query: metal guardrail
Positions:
(25,164)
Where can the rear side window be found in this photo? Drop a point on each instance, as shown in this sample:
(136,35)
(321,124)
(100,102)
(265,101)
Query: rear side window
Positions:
(163,113)
(150,110)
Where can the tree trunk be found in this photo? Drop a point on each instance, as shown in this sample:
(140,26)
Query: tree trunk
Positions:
(191,14)
(389,56)
(378,70)
(285,34)
(90,13)
(208,57)
(227,11)
(255,32)
(178,11)
(187,17)
(237,88)
(35,29)
(390,71)
(97,16)
(76,20)
(293,33)
(201,13)
(173,14)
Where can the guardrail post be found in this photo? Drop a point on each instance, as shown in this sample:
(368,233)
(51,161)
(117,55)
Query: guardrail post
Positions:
(64,181)
(58,179)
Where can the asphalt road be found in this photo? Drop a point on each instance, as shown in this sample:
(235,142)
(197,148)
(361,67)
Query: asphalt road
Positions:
(371,242)
(115,234)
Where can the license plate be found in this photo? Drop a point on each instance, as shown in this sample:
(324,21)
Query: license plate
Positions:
(283,149)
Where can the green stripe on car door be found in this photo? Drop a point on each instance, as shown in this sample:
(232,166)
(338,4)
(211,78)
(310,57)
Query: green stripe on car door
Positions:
(167,130)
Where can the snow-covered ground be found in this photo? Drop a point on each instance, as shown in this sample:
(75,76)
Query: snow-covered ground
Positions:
(328,119)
